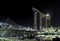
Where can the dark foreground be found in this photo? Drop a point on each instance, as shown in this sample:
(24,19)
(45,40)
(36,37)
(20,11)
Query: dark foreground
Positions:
(56,39)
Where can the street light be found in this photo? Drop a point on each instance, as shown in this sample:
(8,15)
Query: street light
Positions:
(47,15)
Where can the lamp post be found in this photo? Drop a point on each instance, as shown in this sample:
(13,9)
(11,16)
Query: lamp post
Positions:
(35,20)
(48,17)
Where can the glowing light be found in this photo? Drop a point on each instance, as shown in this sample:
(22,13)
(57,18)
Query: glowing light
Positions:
(47,15)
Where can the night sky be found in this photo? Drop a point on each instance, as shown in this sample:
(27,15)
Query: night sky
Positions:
(21,12)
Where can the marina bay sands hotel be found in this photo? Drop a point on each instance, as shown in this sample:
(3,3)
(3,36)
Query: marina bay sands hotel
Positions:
(41,20)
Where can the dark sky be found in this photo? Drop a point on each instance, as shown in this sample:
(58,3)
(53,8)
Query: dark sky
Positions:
(21,12)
